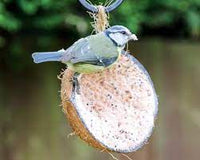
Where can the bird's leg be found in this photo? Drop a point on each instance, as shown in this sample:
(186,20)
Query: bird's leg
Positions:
(75,83)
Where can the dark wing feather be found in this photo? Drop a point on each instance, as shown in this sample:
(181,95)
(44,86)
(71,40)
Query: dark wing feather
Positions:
(80,51)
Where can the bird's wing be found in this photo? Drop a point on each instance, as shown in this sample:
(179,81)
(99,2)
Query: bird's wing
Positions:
(80,51)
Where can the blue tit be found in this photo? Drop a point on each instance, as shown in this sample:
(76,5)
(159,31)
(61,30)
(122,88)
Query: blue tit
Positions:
(93,53)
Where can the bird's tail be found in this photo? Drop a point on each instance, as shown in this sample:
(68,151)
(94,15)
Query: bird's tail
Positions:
(39,57)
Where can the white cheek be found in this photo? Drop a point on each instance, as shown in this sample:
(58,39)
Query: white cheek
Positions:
(119,38)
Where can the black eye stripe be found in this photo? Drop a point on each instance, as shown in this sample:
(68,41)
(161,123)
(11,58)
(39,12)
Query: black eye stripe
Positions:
(122,32)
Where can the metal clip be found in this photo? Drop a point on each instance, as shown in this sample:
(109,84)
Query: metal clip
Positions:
(95,9)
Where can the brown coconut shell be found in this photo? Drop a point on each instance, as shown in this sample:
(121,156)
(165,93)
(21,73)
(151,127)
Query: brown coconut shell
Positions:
(113,110)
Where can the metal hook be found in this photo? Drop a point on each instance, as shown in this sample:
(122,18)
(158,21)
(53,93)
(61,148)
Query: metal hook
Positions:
(95,9)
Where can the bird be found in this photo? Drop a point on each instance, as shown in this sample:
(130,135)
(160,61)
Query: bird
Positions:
(93,53)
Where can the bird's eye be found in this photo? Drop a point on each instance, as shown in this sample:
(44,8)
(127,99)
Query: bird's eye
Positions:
(123,32)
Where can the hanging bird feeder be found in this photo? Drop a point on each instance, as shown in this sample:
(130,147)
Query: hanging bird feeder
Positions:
(113,108)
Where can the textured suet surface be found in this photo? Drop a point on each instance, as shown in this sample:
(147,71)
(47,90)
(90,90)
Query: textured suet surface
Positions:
(113,110)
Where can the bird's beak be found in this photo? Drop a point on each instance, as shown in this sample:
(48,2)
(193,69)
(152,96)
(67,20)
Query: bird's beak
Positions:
(133,37)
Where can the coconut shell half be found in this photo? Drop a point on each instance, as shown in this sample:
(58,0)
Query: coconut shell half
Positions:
(114,109)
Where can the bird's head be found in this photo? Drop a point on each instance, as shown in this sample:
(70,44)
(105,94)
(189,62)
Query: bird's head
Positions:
(120,35)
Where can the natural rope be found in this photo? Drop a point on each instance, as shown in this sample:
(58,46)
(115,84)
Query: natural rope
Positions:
(100,19)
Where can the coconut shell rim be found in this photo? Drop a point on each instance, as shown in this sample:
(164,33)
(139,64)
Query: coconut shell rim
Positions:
(73,101)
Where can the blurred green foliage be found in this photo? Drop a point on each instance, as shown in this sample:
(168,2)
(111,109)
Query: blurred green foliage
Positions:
(136,14)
